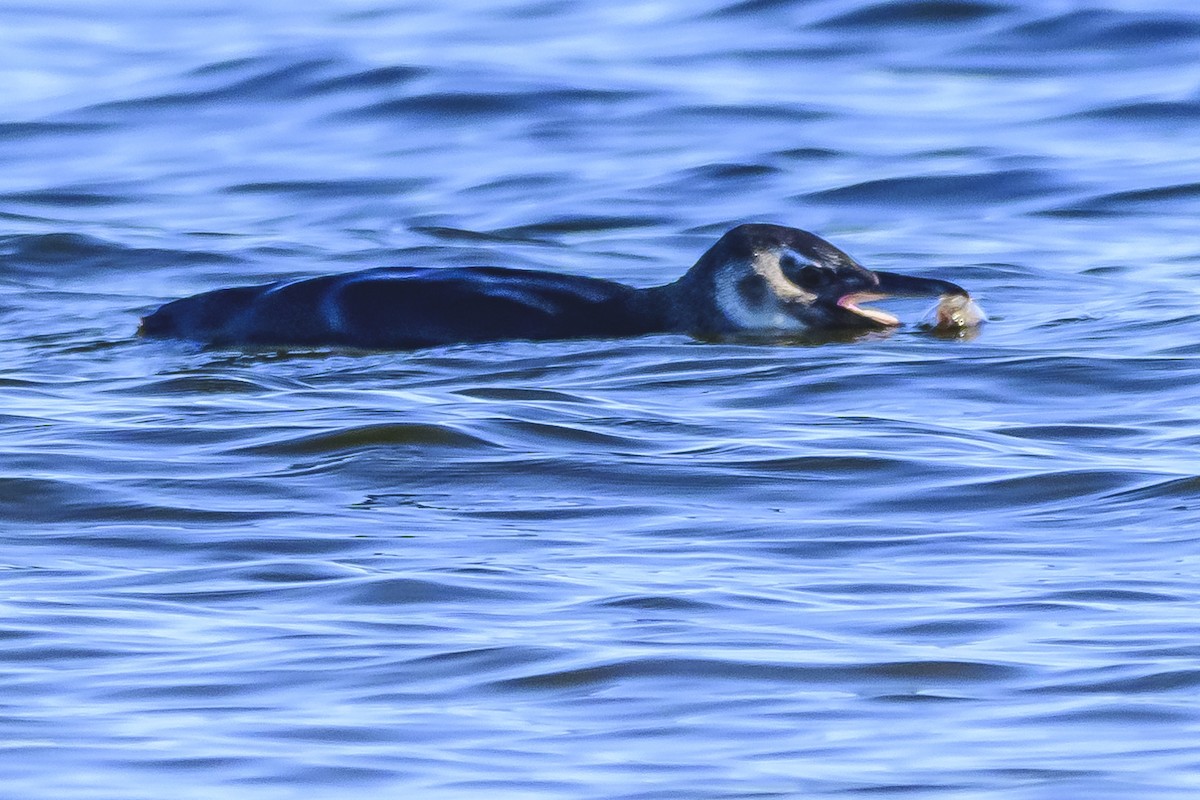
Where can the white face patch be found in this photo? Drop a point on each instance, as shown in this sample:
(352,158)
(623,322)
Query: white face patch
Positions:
(759,311)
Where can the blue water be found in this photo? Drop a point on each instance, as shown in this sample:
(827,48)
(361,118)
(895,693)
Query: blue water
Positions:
(905,566)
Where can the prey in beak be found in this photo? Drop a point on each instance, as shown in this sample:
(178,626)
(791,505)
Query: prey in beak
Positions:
(891,284)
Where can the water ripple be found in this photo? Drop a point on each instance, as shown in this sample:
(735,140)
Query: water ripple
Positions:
(922,13)
(651,567)
(946,190)
(365,437)
(941,672)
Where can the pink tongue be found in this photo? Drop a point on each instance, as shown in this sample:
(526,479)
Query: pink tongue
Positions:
(850,303)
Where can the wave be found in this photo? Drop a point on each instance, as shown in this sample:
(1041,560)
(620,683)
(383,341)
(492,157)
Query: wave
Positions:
(81,253)
(945,672)
(917,13)
(365,437)
(973,189)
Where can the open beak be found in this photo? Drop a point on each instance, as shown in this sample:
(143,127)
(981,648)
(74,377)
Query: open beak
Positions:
(894,285)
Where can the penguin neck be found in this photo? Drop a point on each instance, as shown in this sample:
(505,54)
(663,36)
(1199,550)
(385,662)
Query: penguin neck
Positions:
(676,307)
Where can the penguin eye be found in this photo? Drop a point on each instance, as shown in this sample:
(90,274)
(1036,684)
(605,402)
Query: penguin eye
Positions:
(802,273)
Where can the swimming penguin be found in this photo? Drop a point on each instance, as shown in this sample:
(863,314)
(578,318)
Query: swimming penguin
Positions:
(757,279)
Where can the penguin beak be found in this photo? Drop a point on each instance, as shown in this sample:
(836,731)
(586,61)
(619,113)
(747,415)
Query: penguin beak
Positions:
(890,284)
(894,285)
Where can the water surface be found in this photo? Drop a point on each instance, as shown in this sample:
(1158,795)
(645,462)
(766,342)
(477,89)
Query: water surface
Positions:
(650,568)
